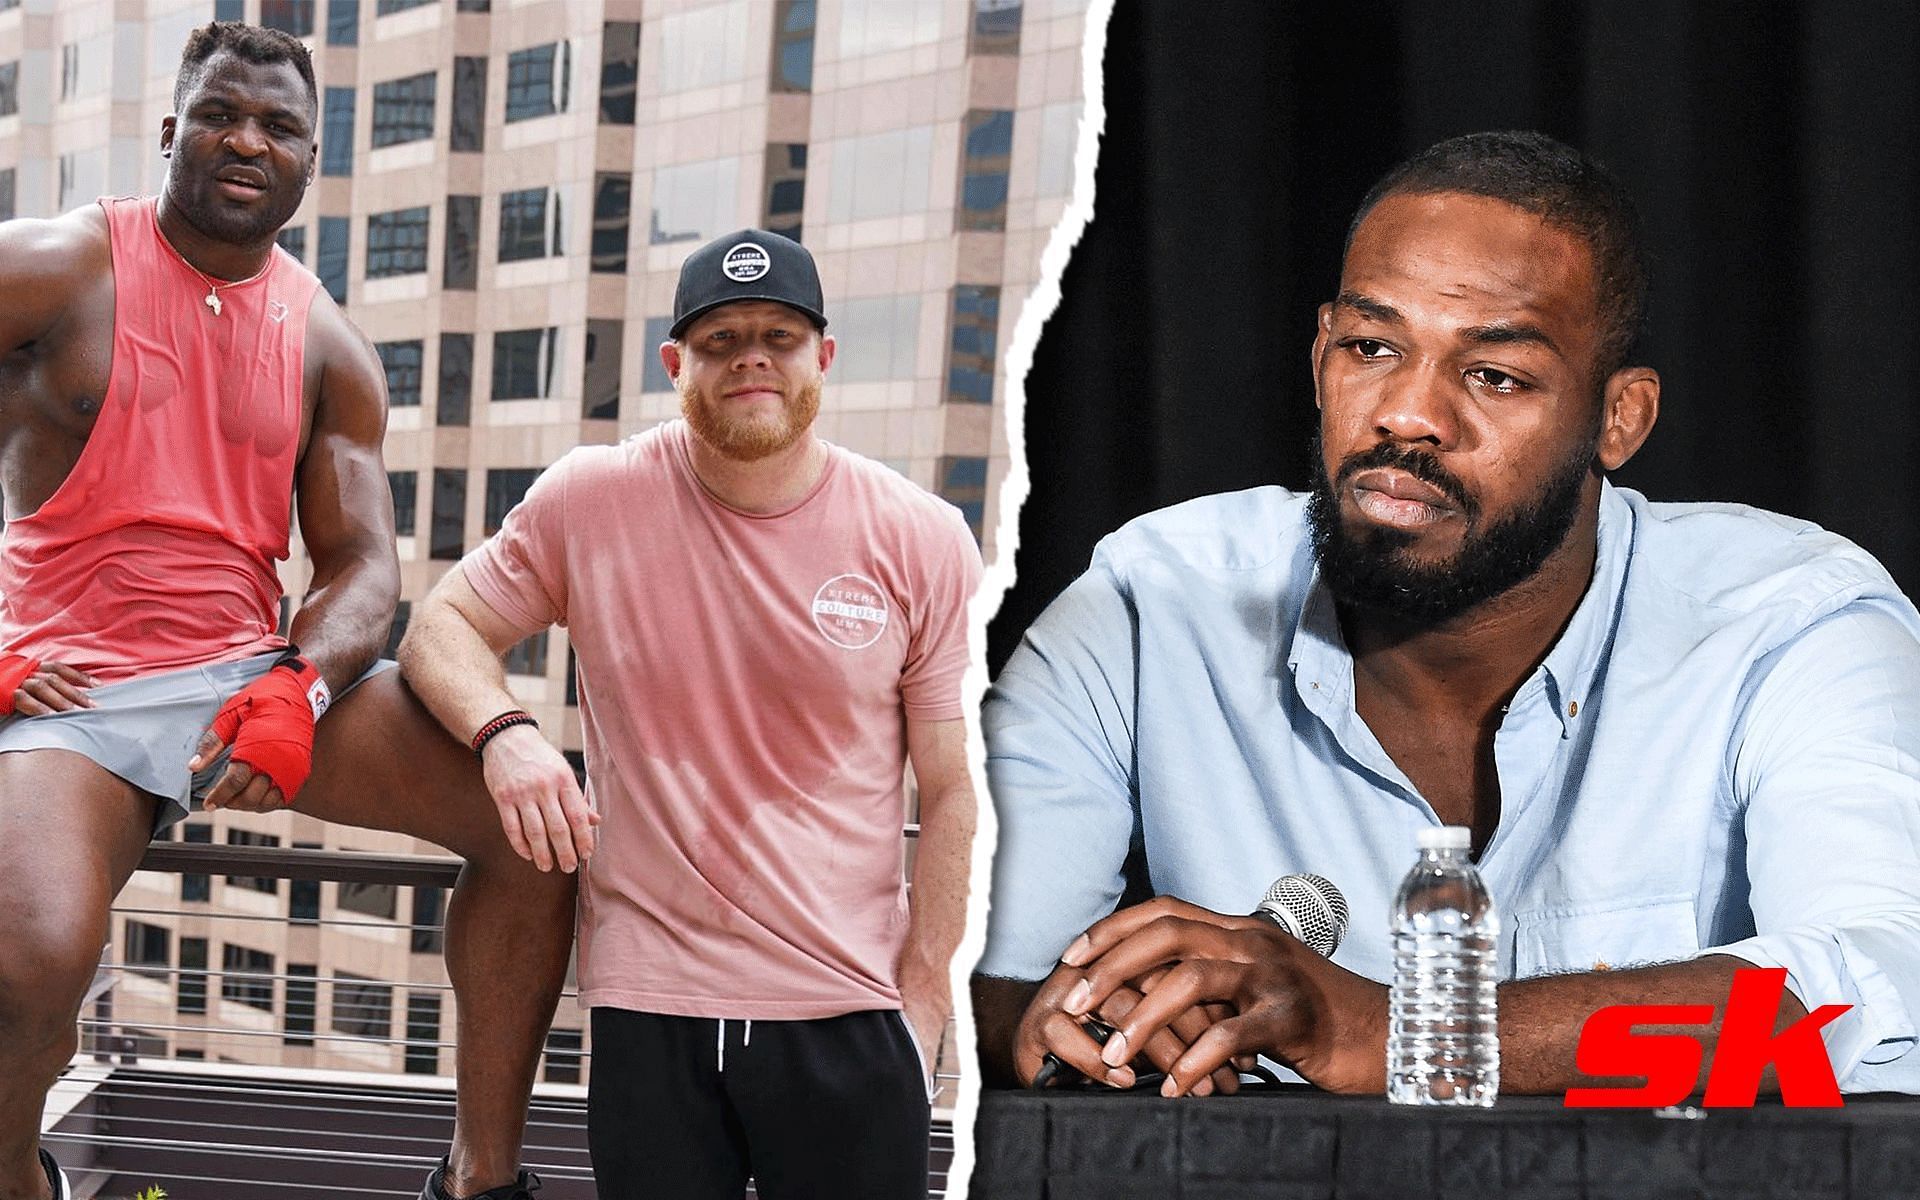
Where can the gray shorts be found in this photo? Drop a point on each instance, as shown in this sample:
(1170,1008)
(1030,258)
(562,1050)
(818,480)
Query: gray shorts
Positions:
(144,730)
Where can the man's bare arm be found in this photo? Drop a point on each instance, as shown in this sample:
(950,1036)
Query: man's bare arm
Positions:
(998,1005)
(451,658)
(44,265)
(941,864)
(346,508)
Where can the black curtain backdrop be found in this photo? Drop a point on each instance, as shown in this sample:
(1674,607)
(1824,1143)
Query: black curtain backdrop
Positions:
(1771,149)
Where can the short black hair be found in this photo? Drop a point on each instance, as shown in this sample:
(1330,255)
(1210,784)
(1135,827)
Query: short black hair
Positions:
(251,43)
(1561,186)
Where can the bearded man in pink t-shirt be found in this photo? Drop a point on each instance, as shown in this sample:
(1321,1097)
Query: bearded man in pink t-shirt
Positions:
(768,630)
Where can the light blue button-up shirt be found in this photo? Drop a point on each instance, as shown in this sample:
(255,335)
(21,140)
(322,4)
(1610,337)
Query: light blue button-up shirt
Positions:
(1721,753)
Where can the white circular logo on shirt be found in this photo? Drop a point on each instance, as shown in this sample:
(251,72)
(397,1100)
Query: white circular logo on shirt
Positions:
(745,263)
(851,611)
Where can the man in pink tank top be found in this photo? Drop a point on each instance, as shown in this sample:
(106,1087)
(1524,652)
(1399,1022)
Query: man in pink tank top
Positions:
(768,629)
(172,386)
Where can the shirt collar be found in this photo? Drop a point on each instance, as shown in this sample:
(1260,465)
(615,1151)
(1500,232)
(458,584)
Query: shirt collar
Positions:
(1322,667)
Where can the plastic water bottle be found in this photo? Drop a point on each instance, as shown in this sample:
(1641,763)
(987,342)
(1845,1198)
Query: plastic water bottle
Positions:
(1443,1043)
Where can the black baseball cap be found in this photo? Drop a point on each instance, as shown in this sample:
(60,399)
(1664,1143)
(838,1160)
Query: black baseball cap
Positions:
(751,264)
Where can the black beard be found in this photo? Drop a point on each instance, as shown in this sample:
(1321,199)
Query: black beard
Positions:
(201,207)
(1368,569)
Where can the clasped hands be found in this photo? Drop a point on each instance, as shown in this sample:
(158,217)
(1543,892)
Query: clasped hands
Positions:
(1199,994)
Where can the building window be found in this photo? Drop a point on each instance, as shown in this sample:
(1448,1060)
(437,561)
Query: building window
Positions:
(528,657)
(879,339)
(793,23)
(1059,139)
(195,886)
(983,178)
(370,899)
(996,27)
(612,208)
(449,513)
(696,202)
(619,71)
(473,6)
(573,678)
(506,488)
(147,949)
(423,1034)
(7,205)
(460,258)
(288,16)
(331,265)
(529,224)
(386,7)
(469,131)
(653,373)
(403,109)
(563,1056)
(303,895)
(223,10)
(397,242)
(343,22)
(882,175)
(523,363)
(402,361)
(303,1003)
(972,352)
(9,88)
(397,628)
(257,883)
(293,239)
(405,486)
(336,132)
(455,399)
(191,986)
(600,388)
(702,47)
(537,81)
(963,483)
(786,188)
(879,26)
(429,920)
(247,976)
(361,1007)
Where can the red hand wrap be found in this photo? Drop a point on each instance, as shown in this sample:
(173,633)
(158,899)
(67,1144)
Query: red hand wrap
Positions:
(269,723)
(14,671)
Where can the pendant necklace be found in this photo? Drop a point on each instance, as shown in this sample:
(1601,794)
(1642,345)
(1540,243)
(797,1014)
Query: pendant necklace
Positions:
(212,299)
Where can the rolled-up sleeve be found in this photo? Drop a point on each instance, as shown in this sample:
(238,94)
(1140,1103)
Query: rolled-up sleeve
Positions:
(1827,763)
(1058,726)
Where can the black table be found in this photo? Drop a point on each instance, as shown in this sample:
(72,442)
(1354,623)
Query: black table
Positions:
(1296,1144)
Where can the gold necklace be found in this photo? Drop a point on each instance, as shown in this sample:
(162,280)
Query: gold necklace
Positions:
(212,299)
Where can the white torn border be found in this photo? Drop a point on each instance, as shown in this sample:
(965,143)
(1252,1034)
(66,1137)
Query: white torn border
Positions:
(1040,305)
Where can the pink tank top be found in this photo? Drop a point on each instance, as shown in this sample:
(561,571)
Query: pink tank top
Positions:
(158,550)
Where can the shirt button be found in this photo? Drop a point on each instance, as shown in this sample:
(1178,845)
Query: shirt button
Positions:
(1573,708)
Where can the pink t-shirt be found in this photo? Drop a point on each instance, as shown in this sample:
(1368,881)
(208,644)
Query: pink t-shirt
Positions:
(745,683)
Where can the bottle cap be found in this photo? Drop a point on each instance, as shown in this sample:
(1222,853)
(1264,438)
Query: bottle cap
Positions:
(1444,837)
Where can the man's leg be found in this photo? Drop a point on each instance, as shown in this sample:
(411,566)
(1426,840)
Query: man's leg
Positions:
(70,835)
(834,1109)
(658,1121)
(381,761)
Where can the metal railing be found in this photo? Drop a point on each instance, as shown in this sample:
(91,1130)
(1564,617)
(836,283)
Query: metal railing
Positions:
(152,1098)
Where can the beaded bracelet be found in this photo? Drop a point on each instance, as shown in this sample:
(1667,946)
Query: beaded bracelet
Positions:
(494,728)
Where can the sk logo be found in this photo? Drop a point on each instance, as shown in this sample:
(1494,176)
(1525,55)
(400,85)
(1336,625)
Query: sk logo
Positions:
(1747,1044)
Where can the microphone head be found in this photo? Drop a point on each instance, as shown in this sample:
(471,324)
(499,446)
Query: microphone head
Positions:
(1310,908)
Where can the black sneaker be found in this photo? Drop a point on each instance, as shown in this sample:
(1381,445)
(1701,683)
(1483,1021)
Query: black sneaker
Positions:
(56,1178)
(522,1188)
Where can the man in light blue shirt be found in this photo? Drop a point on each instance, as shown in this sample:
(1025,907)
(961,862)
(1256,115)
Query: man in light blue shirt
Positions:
(1686,737)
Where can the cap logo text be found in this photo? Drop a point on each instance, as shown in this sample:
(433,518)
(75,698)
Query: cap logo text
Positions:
(745,263)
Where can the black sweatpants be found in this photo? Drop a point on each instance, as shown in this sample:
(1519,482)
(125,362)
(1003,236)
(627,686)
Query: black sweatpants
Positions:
(690,1107)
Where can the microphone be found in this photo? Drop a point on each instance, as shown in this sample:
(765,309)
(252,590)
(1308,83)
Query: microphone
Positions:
(1309,907)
